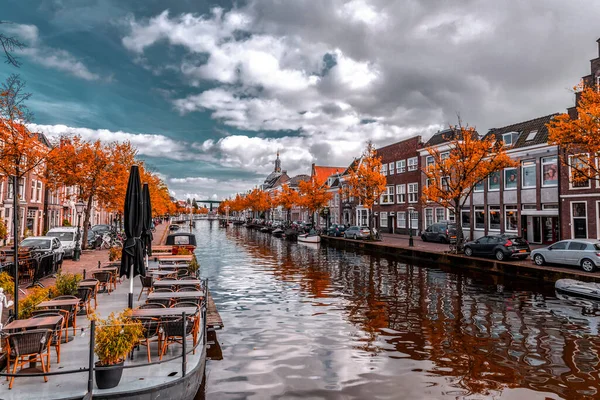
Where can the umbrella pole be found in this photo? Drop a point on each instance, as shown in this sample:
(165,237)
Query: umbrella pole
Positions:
(130,297)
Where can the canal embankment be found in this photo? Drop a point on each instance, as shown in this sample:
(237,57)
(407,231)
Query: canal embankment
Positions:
(433,255)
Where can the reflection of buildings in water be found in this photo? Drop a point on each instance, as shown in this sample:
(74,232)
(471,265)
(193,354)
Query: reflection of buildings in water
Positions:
(479,337)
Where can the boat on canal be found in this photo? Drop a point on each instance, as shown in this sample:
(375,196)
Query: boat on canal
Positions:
(309,238)
(572,287)
(177,375)
(277,232)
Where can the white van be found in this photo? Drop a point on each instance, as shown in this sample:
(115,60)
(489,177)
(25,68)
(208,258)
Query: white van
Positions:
(66,235)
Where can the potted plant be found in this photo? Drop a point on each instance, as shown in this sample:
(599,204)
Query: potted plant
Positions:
(116,337)
(66,283)
(115,253)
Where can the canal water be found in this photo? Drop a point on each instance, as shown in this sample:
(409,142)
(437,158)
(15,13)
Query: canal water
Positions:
(308,322)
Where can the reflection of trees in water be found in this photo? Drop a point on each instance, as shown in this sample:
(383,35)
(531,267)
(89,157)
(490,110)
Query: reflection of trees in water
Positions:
(480,339)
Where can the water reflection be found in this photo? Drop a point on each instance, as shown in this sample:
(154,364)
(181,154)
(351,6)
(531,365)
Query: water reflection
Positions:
(322,323)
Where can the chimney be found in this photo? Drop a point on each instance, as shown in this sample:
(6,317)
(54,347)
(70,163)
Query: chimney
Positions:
(598,41)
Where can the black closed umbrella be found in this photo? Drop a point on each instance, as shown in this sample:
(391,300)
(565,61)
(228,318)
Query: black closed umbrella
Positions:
(147,228)
(132,260)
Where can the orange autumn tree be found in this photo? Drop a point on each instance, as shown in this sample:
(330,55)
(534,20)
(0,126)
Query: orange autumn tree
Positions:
(287,198)
(579,138)
(21,151)
(258,200)
(98,170)
(313,196)
(465,161)
(366,182)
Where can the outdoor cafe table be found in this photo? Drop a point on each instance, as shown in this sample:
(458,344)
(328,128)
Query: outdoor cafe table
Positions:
(176,282)
(173,266)
(92,285)
(58,304)
(159,273)
(175,295)
(33,323)
(163,312)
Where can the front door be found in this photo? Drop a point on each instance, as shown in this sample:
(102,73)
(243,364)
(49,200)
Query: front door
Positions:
(391,223)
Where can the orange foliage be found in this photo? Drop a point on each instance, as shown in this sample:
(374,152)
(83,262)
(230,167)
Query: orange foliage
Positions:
(464,162)
(258,200)
(313,196)
(287,198)
(366,182)
(579,138)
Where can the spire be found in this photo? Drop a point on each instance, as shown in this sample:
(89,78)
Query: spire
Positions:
(277,163)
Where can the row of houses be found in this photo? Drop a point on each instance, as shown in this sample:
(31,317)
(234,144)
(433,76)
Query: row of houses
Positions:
(40,208)
(536,199)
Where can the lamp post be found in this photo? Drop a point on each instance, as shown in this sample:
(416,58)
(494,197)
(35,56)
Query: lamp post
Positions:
(79,208)
(411,242)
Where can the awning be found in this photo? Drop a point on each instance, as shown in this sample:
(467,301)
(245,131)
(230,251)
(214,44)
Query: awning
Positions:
(540,213)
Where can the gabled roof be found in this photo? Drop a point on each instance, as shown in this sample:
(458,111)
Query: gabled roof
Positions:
(293,182)
(524,129)
(322,173)
(353,166)
(445,136)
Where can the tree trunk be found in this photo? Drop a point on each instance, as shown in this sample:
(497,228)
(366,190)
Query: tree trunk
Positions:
(86,222)
(460,237)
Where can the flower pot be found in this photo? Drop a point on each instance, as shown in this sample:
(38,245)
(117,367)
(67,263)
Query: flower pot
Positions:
(108,378)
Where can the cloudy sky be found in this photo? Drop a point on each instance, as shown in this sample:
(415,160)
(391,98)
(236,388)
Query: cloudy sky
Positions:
(209,91)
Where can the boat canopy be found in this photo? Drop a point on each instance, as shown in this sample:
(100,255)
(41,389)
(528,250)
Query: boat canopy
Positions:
(181,239)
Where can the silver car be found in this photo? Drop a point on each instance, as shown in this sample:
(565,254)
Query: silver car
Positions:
(357,232)
(580,252)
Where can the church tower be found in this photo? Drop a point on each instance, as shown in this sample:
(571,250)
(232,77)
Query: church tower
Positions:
(277,163)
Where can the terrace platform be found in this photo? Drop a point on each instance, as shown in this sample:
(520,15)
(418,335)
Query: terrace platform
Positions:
(163,381)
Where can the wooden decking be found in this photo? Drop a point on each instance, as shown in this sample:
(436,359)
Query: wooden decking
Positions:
(213,318)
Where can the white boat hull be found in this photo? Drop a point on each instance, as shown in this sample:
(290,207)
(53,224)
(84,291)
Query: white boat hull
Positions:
(577,288)
(306,238)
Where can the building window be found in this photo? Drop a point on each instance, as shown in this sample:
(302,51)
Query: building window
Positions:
(479,186)
(579,220)
(383,219)
(451,216)
(508,138)
(550,206)
(401,219)
(429,162)
(479,218)
(400,166)
(577,165)
(33,192)
(511,218)
(391,168)
(494,218)
(413,195)
(400,194)
(414,219)
(387,197)
(549,171)
(445,155)
(445,181)
(528,173)
(466,218)
(494,181)
(39,191)
(510,179)
(384,169)
(440,214)
(529,207)
(413,164)
(428,217)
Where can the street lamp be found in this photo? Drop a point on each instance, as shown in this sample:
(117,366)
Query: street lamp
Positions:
(411,242)
(79,208)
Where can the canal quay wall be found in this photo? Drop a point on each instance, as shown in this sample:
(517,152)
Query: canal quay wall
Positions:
(517,269)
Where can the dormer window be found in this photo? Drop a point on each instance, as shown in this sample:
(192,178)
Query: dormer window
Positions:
(509,138)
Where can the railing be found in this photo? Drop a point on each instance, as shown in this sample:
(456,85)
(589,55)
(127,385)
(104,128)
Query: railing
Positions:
(92,367)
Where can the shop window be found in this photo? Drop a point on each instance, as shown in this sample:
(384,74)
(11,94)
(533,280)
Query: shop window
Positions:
(528,173)
(479,218)
(494,218)
(549,171)
(494,181)
(511,218)
(510,179)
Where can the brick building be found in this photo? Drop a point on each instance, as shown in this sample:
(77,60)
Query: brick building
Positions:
(399,207)
(580,202)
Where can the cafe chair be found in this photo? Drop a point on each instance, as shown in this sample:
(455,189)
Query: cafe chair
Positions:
(94,290)
(181,272)
(172,332)
(26,347)
(151,333)
(104,279)
(56,331)
(188,289)
(85,298)
(163,290)
(146,285)
(163,302)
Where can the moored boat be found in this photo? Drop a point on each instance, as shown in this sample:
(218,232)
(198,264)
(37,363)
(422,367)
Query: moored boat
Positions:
(309,238)
(278,232)
(573,287)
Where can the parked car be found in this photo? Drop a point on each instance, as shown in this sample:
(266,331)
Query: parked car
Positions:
(336,230)
(68,238)
(357,232)
(49,248)
(499,246)
(101,229)
(443,232)
(584,253)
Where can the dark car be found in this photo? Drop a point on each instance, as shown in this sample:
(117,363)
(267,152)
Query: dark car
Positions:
(443,232)
(499,246)
(336,230)
(102,229)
